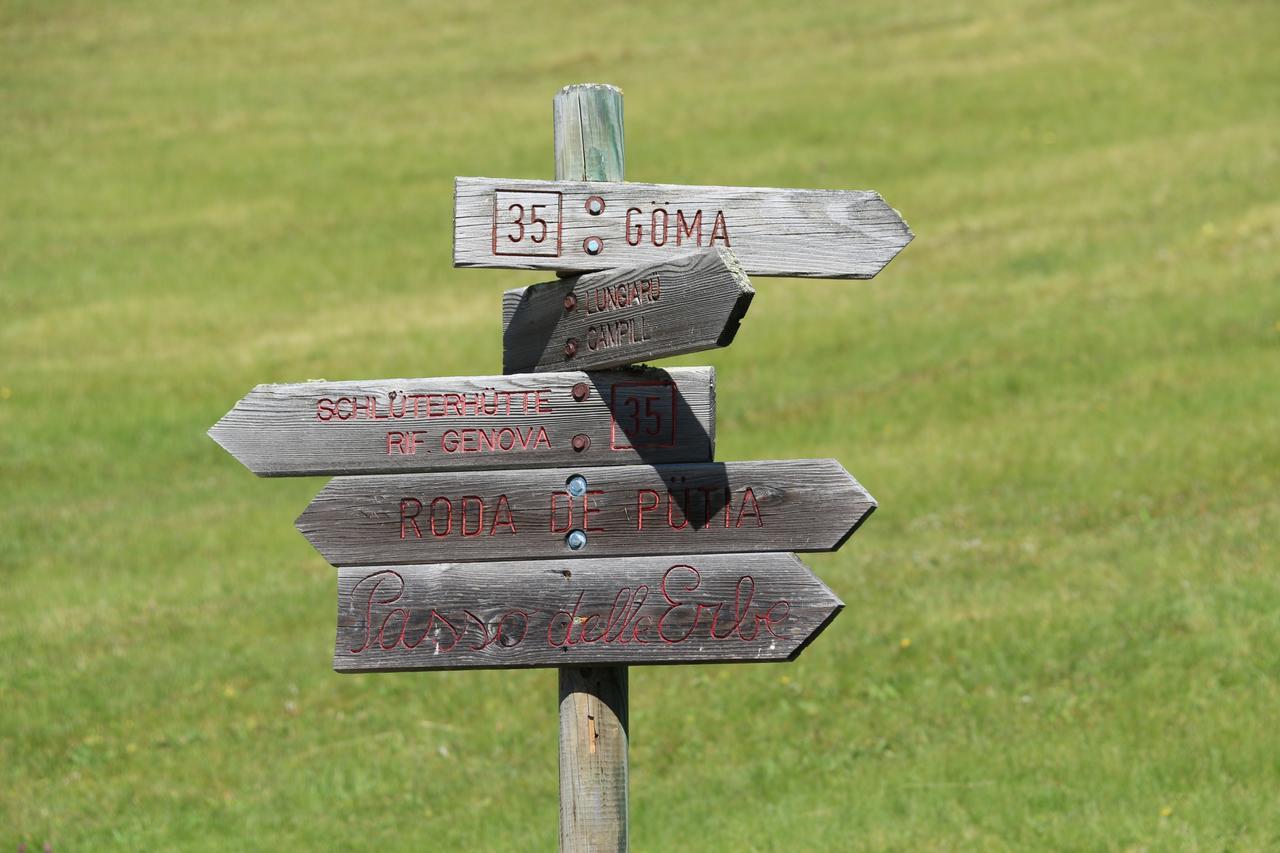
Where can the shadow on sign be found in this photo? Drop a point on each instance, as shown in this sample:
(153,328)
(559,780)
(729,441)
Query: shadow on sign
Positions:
(645,415)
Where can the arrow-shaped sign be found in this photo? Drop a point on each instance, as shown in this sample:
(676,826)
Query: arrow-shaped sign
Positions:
(474,422)
(634,610)
(588,226)
(797,505)
(692,302)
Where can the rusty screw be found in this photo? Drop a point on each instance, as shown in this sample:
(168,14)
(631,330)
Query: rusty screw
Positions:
(581,389)
(571,348)
(570,302)
(595,205)
(581,442)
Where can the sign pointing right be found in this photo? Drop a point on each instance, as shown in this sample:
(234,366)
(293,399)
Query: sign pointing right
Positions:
(586,226)
(692,302)
(710,507)
(634,610)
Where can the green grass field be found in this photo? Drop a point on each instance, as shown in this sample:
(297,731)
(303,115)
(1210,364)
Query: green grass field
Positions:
(1063,625)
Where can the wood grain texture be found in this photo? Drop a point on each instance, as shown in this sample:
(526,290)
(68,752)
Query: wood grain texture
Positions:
(594,736)
(793,505)
(473,422)
(714,608)
(593,703)
(692,302)
(589,139)
(510,223)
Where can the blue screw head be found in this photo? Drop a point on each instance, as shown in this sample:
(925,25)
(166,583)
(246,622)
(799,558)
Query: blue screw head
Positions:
(576,540)
(577,485)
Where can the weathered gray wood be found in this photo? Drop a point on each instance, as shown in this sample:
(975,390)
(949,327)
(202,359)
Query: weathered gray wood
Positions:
(474,422)
(690,303)
(713,608)
(510,223)
(794,505)
(593,702)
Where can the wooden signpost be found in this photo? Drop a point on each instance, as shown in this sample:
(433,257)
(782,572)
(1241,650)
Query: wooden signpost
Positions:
(690,303)
(552,517)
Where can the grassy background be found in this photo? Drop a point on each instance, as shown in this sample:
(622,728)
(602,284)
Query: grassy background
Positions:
(1063,626)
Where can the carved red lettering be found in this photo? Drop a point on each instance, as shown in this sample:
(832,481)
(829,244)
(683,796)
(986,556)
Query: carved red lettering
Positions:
(620,617)
(570,618)
(555,499)
(448,509)
(588,509)
(412,517)
(690,586)
(644,623)
(653,227)
(749,504)
(769,621)
(382,630)
(478,503)
(633,237)
(684,230)
(719,228)
(684,512)
(740,608)
(384,575)
(641,494)
(498,520)
(485,640)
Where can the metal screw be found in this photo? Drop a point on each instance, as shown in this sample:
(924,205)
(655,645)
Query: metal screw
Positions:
(570,302)
(581,442)
(577,485)
(580,389)
(571,348)
(595,205)
(576,540)
(593,245)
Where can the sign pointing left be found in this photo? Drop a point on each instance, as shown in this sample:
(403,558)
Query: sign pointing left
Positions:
(473,422)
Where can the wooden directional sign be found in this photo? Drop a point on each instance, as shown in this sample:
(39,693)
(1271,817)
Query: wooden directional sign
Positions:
(588,226)
(527,421)
(797,505)
(634,610)
(692,302)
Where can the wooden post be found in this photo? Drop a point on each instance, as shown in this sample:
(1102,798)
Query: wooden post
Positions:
(593,700)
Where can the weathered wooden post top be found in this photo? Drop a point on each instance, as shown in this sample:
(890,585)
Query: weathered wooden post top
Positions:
(569,513)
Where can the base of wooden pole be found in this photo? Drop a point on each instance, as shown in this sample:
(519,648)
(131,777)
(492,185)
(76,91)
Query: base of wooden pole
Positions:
(593,758)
